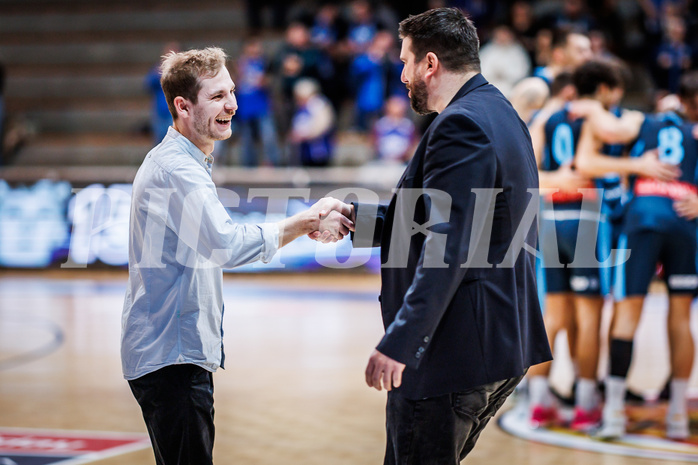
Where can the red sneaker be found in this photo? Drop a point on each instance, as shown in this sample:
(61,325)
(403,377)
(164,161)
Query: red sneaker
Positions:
(585,420)
(542,417)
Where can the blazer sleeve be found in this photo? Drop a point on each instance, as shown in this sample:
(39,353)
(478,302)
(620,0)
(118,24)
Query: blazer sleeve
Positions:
(459,157)
(368,224)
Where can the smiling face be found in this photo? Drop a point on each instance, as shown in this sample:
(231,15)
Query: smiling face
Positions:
(211,114)
(414,79)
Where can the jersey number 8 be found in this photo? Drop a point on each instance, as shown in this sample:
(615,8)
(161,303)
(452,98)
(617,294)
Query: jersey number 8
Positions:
(670,145)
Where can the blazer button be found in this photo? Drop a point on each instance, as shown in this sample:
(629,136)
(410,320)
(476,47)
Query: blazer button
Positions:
(418,355)
(421,349)
(426,338)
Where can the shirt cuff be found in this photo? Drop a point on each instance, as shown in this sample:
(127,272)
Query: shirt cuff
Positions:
(270,239)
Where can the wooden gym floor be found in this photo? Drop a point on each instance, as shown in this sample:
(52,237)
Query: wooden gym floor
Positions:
(292,392)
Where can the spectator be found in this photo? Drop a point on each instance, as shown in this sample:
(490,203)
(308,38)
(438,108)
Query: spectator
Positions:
(574,16)
(613,27)
(673,56)
(523,26)
(324,32)
(255,8)
(3,161)
(503,60)
(160,117)
(394,135)
(599,45)
(481,12)
(298,59)
(362,27)
(373,72)
(328,33)
(253,116)
(312,127)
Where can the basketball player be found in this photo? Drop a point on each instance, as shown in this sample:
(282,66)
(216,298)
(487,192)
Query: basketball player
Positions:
(659,226)
(575,294)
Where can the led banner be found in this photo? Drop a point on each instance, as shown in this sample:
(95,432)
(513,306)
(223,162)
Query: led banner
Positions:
(53,224)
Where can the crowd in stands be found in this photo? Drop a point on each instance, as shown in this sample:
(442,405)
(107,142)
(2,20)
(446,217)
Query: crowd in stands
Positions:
(15,131)
(350,51)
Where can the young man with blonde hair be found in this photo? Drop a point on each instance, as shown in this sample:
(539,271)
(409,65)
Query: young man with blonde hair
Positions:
(180,238)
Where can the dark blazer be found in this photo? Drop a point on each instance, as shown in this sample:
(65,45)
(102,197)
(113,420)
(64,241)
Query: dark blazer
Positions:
(457,327)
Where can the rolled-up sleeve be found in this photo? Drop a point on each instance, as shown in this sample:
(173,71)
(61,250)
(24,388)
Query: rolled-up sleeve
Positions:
(270,235)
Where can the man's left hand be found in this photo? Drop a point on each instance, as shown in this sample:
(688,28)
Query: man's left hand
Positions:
(383,372)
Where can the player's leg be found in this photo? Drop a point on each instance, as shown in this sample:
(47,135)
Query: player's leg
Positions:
(632,279)
(681,349)
(588,319)
(590,285)
(559,314)
(682,282)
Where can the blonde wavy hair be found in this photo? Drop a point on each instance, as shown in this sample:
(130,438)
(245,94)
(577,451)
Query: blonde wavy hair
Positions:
(181,73)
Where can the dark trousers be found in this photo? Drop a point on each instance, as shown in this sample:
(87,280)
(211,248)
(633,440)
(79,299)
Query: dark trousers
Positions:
(441,430)
(177,405)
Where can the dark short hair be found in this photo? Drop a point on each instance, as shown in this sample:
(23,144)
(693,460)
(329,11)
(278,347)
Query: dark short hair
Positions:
(560,81)
(446,32)
(560,36)
(590,75)
(688,86)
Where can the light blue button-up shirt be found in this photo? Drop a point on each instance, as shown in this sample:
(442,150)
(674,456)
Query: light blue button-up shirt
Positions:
(180,239)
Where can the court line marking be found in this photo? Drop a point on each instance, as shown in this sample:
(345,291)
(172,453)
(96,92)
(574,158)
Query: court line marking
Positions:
(57,340)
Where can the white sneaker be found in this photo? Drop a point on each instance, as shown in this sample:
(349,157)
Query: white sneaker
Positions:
(677,426)
(612,425)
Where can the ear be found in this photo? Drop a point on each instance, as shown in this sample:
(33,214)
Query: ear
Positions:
(432,64)
(182,106)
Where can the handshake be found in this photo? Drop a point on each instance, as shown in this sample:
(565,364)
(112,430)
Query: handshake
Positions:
(328,220)
(333,219)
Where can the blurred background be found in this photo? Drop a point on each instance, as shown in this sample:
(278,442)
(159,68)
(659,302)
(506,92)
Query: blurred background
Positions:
(321,108)
(321,104)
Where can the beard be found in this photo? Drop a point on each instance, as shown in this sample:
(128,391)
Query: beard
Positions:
(419,97)
(203,127)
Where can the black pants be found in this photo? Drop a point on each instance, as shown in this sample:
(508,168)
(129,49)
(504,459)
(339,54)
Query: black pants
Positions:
(441,430)
(177,405)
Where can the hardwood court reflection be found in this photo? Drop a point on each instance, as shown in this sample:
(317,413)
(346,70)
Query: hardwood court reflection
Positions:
(292,392)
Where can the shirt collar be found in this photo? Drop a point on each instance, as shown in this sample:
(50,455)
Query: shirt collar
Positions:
(204,160)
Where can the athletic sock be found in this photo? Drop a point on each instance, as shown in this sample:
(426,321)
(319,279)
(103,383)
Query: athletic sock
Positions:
(586,397)
(621,352)
(575,369)
(615,393)
(539,391)
(677,400)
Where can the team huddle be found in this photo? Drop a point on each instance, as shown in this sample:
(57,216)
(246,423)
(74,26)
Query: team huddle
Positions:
(612,180)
